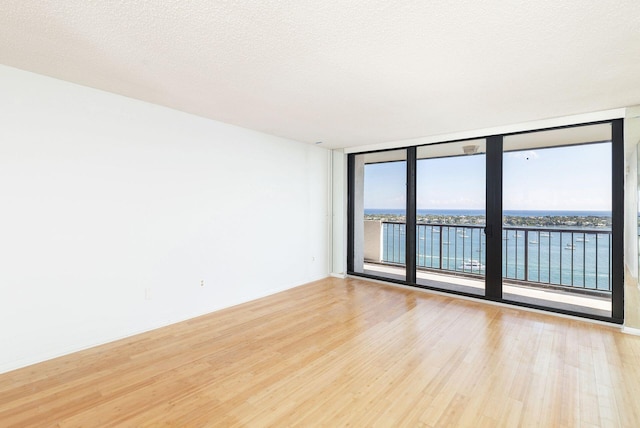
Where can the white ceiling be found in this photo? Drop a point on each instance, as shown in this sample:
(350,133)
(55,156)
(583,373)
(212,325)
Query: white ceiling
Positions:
(346,73)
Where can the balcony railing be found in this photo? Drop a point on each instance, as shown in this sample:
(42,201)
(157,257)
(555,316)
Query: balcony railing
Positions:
(571,258)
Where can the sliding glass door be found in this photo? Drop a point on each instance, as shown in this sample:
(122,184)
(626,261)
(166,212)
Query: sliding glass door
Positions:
(533,219)
(557,236)
(450,220)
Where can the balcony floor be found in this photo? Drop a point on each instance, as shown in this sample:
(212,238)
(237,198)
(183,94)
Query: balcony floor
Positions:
(557,299)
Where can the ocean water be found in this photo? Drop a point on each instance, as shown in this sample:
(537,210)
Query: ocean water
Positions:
(545,255)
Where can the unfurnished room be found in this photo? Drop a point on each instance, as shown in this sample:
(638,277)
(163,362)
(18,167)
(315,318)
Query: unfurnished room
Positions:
(343,213)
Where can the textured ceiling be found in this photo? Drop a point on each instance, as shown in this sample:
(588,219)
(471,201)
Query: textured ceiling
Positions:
(346,73)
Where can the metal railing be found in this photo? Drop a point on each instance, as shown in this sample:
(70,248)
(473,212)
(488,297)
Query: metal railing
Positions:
(573,258)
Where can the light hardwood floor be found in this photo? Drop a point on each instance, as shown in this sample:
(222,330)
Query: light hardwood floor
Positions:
(342,353)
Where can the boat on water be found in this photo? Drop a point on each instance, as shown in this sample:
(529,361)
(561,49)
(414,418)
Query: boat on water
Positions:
(570,247)
(472,264)
(582,239)
(532,242)
(544,234)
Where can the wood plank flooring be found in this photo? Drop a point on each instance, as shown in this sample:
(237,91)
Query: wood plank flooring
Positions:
(342,353)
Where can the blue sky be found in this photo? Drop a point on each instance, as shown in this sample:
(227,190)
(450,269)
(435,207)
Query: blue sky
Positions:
(563,178)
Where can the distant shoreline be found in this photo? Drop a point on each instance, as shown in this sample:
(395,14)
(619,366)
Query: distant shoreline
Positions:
(545,219)
(478,212)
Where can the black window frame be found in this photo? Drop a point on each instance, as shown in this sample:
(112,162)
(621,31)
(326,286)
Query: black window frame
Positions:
(494,177)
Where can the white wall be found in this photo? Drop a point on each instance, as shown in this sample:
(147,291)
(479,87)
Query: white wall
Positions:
(631,292)
(338,248)
(113,211)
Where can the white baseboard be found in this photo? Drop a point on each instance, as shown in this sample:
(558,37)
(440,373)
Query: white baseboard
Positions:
(630,330)
(338,275)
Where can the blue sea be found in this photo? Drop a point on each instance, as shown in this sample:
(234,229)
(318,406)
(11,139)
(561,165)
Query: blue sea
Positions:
(576,259)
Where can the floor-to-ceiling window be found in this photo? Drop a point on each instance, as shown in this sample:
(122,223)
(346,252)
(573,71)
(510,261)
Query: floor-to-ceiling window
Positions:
(379,212)
(533,218)
(450,218)
(557,202)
